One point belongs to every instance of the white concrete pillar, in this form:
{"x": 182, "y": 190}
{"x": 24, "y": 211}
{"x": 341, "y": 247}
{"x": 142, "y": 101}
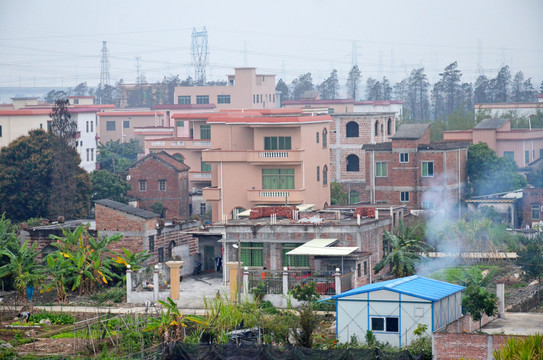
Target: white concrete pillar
{"x": 337, "y": 275}
{"x": 246, "y": 281}
{"x": 155, "y": 284}
{"x": 500, "y": 293}
{"x": 285, "y": 281}
{"x": 128, "y": 284}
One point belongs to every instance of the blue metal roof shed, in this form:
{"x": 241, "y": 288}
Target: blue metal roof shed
{"x": 393, "y": 309}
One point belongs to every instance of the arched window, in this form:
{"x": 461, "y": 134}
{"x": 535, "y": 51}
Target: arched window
{"x": 354, "y": 197}
{"x": 353, "y": 163}
{"x": 324, "y": 138}
{"x": 376, "y": 128}
{"x": 352, "y": 129}
{"x": 179, "y": 157}
{"x": 325, "y": 175}
{"x": 236, "y": 211}
{"x": 389, "y": 126}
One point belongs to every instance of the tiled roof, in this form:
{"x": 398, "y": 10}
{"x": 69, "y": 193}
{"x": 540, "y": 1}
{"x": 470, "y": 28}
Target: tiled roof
{"x": 165, "y": 158}
{"x": 127, "y": 209}
{"x": 445, "y": 145}
{"x": 417, "y": 286}
{"x": 410, "y": 131}
{"x": 386, "y": 146}
{"x": 318, "y": 101}
{"x": 130, "y": 113}
{"x": 25, "y": 112}
{"x": 183, "y": 106}
{"x": 491, "y": 123}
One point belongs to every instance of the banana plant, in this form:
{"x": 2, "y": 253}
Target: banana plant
{"x": 22, "y": 266}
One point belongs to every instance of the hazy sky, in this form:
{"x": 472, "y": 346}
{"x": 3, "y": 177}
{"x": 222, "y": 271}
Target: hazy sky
{"x": 58, "y": 43}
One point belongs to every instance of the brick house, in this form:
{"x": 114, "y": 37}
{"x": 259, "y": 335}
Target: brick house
{"x": 413, "y": 171}
{"x": 159, "y": 177}
{"x": 532, "y": 208}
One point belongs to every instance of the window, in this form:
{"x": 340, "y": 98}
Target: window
{"x": 251, "y": 254}
{"x": 126, "y": 124}
{"x": 535, "y": 211}
{"x": 88, "y": 154}
{"x": 179, "y": 157}
{"x": 203, "y": 208}
{"x": 92, "y": 154}
{"x": 76, "y": 101}
{"x": 351, "y": 129}
{"x": 526, "y": 157}
{"x": 143, "y": 185}
{"x": 205, "y": 167}
{"x": 325, "y": 175}
{"x": 365, "y": 268}
{"x": 353, "y": 163}
{"x": 151, "y": 243}
{"x": 273, "y": 179}
{"x": 202, "y": 99}
{"x": 1, "y": 130}
{"x": 317, "y": 136}
{"x": 381, "y": 169}
{"x": 404, "y": 158}
{"x": 389, "y": 126}
{"x": 358, "y": 270}
{"x": 386, "y": 324}
{"x": 161, "y": 185}
{"x": 223, "y": 99}
{"x": 386, "y": 246}
{"x": 324, "y": 138}
{"x": 277, "y": 143}
{"x": 427, "y": 205}
{"x": 509, "y": 155}
{"x": 376, "y": 128}
{"x": 354, "y": 197}
{"x": 254, "y": 98}
{"x": 183, "y": 100}
{"x": 179, "y": 123}
{"x": 293, "y": 260}
{"x": 205, "y": 132}
{"x": 318, "y": 173}
{"x": 540, "y": 150}
{"x": 404, "y": 196}
{"x": 87, "y": 126}
{"x": 160, "y": 254}
{"x": 92, "y": 126}
{"x": 427, "y": 169}
{"x": 110, "y": 125}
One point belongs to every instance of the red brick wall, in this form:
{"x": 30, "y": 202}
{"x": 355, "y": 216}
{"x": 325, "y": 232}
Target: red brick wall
{"x": 176, "y": 197}
{"x": 114, "y": 220}
{"x": 467, "y": 345}
{"x": 531, "y": 196}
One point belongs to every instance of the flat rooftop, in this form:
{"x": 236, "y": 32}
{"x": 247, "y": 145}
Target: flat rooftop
{"x": 516, "y": 324}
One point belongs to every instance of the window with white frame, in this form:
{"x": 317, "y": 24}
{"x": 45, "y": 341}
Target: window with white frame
{"x": 183, "y": 100}
{"x": 535, "y": 211}
{"x": 143, "y": 185}
{"x": 385, "y": 323}
{"x": 404, "y": 196}
{"x": 202, "y": 99}
{"x": 404, "y": 158}
{"x": 427, "y": 169}
{"x": 223, "y": 99}
{"x": 381, "y": 169}
{"x": 161, "y": 185}
{"x": 427, "y": 205}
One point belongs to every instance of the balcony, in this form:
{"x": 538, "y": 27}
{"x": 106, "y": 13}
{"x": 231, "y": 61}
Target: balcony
{"x": 180, "y": 144}
{"x": 199, "y": 176}
{"x": 254, "y": 157}
{"x": 292, "y": 196}
{"x": 275, "y": 156}
{"x": 212, "y": 193}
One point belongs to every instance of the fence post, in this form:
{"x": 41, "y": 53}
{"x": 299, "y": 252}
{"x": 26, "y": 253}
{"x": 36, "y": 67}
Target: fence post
{"x": 337, "y": 275}
{"x": 285, "y": 281}
{"x": 246, "y": 282}
{"x": 155, "y": 284}
{"x": 128, "y": 284}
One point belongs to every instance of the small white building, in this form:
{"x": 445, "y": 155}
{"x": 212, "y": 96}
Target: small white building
{"x": 393, "y": 309}
{"x": 85, "y": 142}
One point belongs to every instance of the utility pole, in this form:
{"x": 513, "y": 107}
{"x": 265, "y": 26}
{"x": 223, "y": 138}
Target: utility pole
{"x": 104, "y": 64}
{"x": 199, "y": 55}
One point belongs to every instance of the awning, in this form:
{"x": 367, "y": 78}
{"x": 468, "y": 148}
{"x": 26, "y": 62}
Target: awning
{"x": 301, "y": 207}
{"x": 321, "y": 247}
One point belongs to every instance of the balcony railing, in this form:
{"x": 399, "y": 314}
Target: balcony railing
{"x": 203, "y": 144}
{"x": 200, "y": 176}
{"x": 294, "y": 196}
{"x": 275, "y": 156}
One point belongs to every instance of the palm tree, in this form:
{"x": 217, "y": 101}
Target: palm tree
{"x": 22, "y": 266}
{"x": 407, "y": 247}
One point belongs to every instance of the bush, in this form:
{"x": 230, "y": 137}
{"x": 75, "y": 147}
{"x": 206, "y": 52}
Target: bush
{"x": 115, "y": 294}
{"x": 55, "y": 318}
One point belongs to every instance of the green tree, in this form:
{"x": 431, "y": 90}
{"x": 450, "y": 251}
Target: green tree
{"x": 535, "y": 177}
{"x": 531, "y": 260}
{"x": 488, "y": 173}
{"x": 329, "y": 88}
{"x": 406, "y": 248}
{"x": 60, "y": 272}
{"x": 478, "y": 301}
{"x": 307, "y": 319}
{"x": 417, "y": 95}
{"x": 81, "y": 90}
{"x": 302, "y": 84}
{"x": 337, "y": 195}
{"x": 54, "y": 95}
{"x": 106, "y": 185}
{"x": 25, "y": 176}
{"x": 134, "y": 259}
{"x": 22, "y": 266}
{"x": 353, "y": 83}
{"x": 107, "y": 94}
{"x": 115, "y": 156}
{"x": 282, "y": 88}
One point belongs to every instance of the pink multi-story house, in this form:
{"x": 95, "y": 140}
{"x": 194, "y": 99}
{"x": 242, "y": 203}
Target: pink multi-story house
{"x": 244, "y": 90}
{"x": 269, "y": 157}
